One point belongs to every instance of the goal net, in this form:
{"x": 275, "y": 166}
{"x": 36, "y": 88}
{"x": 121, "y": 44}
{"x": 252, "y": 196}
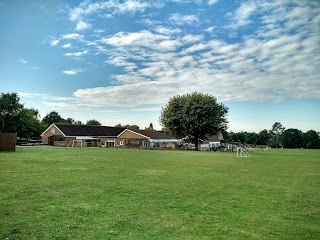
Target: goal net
{"x": 241, "y": 152}
{"x": 75, "y": 143}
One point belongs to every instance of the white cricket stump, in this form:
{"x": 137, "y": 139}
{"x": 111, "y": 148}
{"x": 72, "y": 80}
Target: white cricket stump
{"x": 241, "y": 152}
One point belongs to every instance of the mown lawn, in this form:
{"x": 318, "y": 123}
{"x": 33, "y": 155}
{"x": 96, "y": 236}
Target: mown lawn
{"x": 59, "y": 193}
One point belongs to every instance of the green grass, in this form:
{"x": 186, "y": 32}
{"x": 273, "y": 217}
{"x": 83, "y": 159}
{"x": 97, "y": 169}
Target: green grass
{"x": 59, "y": 193}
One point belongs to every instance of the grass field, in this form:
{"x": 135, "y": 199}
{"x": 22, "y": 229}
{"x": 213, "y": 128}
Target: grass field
{"x": 59, "y": 193}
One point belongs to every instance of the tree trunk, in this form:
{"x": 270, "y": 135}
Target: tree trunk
{"x": 196, "y": 143}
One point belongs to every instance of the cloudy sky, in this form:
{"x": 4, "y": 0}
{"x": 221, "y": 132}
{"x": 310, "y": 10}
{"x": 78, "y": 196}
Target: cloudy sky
{"x": 119, "y": 61}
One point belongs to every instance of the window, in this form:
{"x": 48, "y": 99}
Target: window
{"x": 121, "y": 143}
{"x": 53, "y": 130}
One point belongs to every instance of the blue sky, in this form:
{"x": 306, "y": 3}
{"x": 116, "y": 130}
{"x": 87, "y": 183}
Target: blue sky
{"x": 119, "y": 61}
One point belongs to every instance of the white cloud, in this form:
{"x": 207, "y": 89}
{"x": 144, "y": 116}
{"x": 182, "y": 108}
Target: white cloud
{"x": 212, "y": 2}
{"x": 73, "y": 71}
{"x": 209, "y": 30}
{"x": 278, "y": 60}
{"x": 111, "y": 7}
{"x": 184, "y": 19}
{"x": 167, "y": 31}
{"x": 192, "y": 38}
{"x": 29, "y": 95}
{"x": 68, "y": 45}
{"x": 145, "y": 109}
{"x": 241, "y": 16}
{"x": 54, "y": 42}
{"x": 76, "y": 54}
{"x": 81, "y": 25}
{"x": 23, "y": 61}
{"x": 143, "y": 38}
{"x": 72, "y": 36}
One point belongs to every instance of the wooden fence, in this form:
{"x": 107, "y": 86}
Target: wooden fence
{"x": 8, "y": 141}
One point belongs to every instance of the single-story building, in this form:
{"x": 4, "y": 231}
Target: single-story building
{"x": 147, "y": 139}
{"x": 212, "y": 143}
{"x": 63, "y": 134}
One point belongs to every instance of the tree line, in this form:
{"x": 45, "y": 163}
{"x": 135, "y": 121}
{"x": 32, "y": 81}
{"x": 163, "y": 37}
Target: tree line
{"x": 183, "y": 116}
{"x": 278, "y": 136}
{"x": 26, "y": 122}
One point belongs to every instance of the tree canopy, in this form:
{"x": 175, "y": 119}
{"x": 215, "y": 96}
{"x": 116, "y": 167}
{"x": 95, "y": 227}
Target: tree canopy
{"x": 15, "y": 118}
{"x": 150, "y": 127}
{"x": 128, "y": 126}
{"x": 93, "y": 122}
{"x": 292, "y": 138}
{"x": 311, "y": 139}
{"x": 10, "y": 110}
{"x": 276, "y": 134}
{"x": 52, "y": 117}
{"x": 194, "y": 116}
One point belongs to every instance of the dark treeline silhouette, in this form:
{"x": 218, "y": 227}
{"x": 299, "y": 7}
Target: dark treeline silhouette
{"x": 278, "y": 136}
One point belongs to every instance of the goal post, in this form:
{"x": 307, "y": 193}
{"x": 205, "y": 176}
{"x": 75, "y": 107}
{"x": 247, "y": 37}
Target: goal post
{"x": 75, "y": 143}
{"x": 241, "y": 152}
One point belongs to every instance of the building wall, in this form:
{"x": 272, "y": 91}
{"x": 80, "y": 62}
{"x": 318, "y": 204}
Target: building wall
{"x": 103, "y": 140}
{"x": 53, "y": 130}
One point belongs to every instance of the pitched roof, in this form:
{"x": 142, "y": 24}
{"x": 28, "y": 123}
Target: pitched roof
{"x": 153, "y": 134}
{"x": 215, "y": 138}
{"x": 88, "y": 130}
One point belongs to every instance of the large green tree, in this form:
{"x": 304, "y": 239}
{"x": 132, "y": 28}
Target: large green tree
{"x": 194, "y": 116}
{"x": 276, "y": 134}
{"x": 292, "y": 138}
{"x": 263, "y": 137}
{"x": 311, "y": 139}
{"x": 52, "y": 117}
{"x": 15, "y": 118}
{"x": 10, "y": 110}
{"x": 251, "y": 138}
{"x": 29, "y": 125}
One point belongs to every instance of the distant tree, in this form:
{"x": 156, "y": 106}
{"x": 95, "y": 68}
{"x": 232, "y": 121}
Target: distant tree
{"x": 128, "y": 126}
{"x": 263, "y": 137}
{"x": 225, "y": 135}
{"x": 237, "y": 137}
{"x": 78, "y": 122}
{"x": 241, "y": 136}
{"x": 71, "y": 121}
{"x": 52, "y": 117}
{"x": 68, "y": 120}
{"x": 194, "y": 116}
{"x": 10, "y": 110}
{"x": 251, "y": 138}
{"x": 276, "y": 134}
{"x": 311, "y": 139}
{"x": 292, "y": 138}
{"x": 93, "y": 122}
{"x": 132, "y": 127}
{"x": 150, "y": 127}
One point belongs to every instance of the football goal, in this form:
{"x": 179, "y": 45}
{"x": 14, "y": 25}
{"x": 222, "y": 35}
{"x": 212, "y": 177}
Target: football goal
{"x": 75, "y": 143}
{"x": 242, "y": 152}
